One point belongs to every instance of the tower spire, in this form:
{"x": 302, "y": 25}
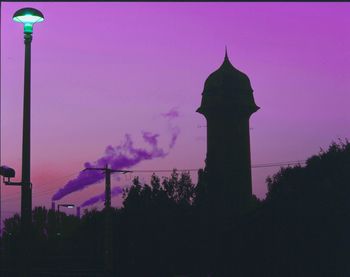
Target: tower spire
{"x": 226, "y": 56}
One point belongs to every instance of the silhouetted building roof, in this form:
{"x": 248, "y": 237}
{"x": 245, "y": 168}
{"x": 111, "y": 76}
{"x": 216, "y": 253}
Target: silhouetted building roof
{"x": 227, "y": 87}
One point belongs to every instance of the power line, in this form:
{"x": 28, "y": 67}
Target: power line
{"x": 7, "y": 211}
{"x": 42, "y": 192}
{"x": 196, "y": 169}
{"x": 262, "y": 165}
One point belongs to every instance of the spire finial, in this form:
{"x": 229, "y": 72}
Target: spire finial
{"x": 226, "y": 56}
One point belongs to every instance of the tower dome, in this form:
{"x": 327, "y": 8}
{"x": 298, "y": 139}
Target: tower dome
{"x": 227, "y": 88}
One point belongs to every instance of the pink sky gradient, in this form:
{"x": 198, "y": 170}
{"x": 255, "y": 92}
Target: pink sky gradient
{"x": 100, "y": 70}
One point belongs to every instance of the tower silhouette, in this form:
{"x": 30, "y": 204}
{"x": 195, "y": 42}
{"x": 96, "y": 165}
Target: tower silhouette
{"x": 227, "y": 104}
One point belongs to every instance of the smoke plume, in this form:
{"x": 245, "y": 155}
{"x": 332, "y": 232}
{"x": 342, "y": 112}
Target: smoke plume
{"x": 122, "y": 156}
{"x": 119, "y": 157}
{"x": 173, "y": 113}
{"x": 174, "y": 130}
{"x": 101, "y": 197}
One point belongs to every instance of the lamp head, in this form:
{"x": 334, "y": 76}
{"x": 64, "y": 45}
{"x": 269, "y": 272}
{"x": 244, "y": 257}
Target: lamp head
{"x": 7, "y": 172}
{"x": 28, "y": 16}
{"x": 69, "y": 206}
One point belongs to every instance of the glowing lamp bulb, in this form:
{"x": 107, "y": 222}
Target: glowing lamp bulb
{"x": 28, "y": 16}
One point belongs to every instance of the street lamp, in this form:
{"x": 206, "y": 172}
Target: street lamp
{"x": 27, "y": 16}
{"x": 68, "y": 206}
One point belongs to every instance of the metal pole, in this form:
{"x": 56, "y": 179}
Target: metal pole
{"x": 1, "y": 266}
{"x": 108, "y": 225}
{"x": 0, "y": 149}
{"x": 58, "y": 221}
{"x": 108, "y": 238}
{"x": 26, "y": 190}
{"x": 26, "y": 203}
{"x": 108, "y": 188}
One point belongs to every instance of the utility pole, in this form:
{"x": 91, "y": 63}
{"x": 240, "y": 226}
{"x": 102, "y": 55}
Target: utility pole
{"x": 108, "y": 241}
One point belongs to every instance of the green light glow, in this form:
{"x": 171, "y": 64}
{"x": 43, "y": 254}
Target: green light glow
{"x": 28, "y": 16}
{"x": 28, "y": 19}
{"x": 28, "y": 28}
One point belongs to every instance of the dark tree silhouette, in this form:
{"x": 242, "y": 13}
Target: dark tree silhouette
{"x": 159, "y": 220}
{"x": 300, "y": 229}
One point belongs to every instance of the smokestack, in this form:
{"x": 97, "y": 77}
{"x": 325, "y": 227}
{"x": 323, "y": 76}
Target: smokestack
{"x": 101, "y": 197}
{"x": 78, "y": 212}
{"x": 53, "y": 206}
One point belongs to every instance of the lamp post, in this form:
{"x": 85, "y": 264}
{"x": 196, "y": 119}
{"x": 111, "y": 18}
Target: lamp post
{"x": 68, "y": 206}
{"x": 59, "y": 221}
{"x": 27, "y": 16}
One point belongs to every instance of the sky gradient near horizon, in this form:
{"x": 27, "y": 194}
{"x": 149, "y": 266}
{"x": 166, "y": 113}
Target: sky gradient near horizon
{"x": 103, "y": 70}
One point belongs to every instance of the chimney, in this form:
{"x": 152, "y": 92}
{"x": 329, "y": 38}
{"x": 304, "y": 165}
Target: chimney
{"x": 78, "y": 212}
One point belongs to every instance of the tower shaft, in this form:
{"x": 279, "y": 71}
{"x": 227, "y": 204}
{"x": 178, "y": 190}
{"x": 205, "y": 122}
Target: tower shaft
{"x": 228, "y": 162}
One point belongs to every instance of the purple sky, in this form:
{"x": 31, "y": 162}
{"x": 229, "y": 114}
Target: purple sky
{"x": 101, "y": 70}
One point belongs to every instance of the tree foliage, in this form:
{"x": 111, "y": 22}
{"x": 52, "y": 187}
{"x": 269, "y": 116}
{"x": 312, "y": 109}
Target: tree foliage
{"x": 321, "y": 186}
{"x": 300, "y": 229}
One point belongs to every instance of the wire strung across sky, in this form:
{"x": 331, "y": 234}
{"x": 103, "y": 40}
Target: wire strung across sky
{"x": 42, "y": 192}
{"x": 196, "y": 169}
{"x": 48, "y": 191}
